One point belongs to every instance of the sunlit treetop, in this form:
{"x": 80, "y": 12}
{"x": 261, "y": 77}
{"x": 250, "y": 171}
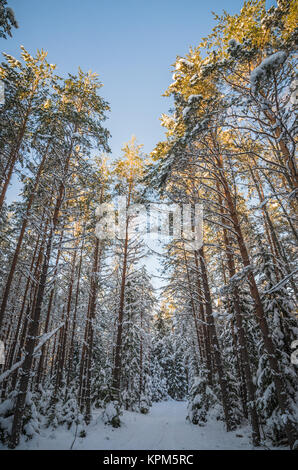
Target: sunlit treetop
{"x": 81, "y": 90}
{"x": 131, "y": 165}
{"x": 245, "y": 37}
{"x": 36, "y": 71}
{"x": 237, "y": 45}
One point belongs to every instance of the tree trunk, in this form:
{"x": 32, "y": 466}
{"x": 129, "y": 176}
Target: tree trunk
{"x": 270, "y": 348}
{"x": 216, "y": 348}
{"x": 20, "y": 239}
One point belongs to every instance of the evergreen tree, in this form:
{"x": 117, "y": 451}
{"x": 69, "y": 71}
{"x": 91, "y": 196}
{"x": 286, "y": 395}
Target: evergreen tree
{"x": 7, "y": 20}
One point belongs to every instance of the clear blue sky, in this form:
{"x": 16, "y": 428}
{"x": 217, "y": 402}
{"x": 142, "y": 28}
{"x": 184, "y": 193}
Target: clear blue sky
{"x": 131, "y": 44}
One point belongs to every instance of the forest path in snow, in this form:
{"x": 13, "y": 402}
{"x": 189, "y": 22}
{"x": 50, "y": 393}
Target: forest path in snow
{"x": 163, "y": 428}
{"x": 166, "y": 427}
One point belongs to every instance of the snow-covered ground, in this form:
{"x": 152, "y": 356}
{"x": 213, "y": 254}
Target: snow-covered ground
{"x": 165, "y": 427}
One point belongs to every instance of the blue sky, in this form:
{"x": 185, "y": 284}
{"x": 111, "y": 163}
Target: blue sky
{"x": 131, "y": 44}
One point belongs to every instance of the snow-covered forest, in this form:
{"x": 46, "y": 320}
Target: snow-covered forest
{"x": 91, "y": 340}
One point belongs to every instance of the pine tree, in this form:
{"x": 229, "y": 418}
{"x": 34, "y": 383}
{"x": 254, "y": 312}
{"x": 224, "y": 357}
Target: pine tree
{"x": 7, "y": 20}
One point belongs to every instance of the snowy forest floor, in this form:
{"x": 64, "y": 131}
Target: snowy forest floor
{"x": 164, "y": 428}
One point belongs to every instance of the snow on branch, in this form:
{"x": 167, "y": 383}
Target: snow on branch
{"x": 235, "y": 280}
{"x": 42, "y": 341}
{"x": 281, "y": 283}
{"x": 262, "y": 71}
